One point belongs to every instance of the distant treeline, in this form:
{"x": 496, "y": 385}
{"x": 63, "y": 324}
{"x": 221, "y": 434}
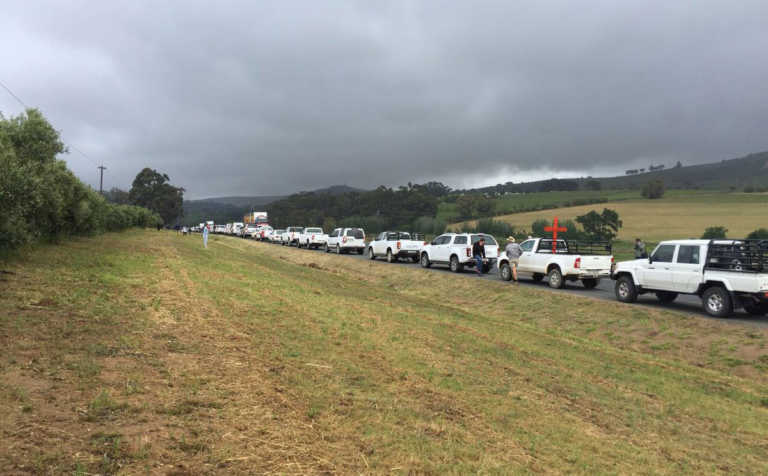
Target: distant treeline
{"x": 40, "y": 198}
{"x": 410, "y": 207}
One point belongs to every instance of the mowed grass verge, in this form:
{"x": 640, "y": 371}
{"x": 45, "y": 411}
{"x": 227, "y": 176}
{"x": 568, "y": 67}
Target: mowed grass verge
{"x": 142, "y": 351}
{"x": 680, "y": 214}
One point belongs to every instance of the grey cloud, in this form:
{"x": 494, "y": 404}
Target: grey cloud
{"x": 274, "y": 97}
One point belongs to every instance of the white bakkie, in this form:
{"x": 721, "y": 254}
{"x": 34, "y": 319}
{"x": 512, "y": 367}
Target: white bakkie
{"x": 346, "y": 240}
{"x": 572, "y": 261}
{"x": 291, "y": 235}
{"x": 396, "y": 244}
{"x": 312, "y": 237}
{"x": 725, "y": 274}
{"x": 455, "y": 250}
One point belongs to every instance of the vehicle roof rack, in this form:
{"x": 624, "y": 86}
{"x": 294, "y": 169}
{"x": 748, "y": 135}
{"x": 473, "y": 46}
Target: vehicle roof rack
{"x": 747, "y": 256}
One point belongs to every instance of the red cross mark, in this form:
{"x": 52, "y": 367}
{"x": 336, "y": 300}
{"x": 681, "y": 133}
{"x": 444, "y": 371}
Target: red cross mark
{"x": 554, "y": 229}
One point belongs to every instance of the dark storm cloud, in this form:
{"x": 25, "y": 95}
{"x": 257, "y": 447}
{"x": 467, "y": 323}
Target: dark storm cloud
{"x": 266, "y": 98}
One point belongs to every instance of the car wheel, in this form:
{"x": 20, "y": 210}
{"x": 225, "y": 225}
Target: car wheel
{"x": 338, "y": 250}
{"x": 666, "y": 296}
{"x": 590, "y": 283}
{"x": 555, "y": 278}
{"x": 325, "y": 248}
{"x": 390, "y": 257}
{"x": 370, "y": 253}
{"x": 537, "y": 277}
{"x": 425, "y": 261}
{"x": 717, "y": 301}
{"x": 505, "y": 272}
{"x": 455, "y": 266}
{"x": 625, "y": 289}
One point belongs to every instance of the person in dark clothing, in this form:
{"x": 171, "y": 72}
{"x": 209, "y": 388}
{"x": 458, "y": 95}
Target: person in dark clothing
{"x": 478, "y": 252}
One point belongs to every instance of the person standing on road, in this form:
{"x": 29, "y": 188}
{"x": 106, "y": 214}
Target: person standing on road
{"x": 478, "y": 252}
{"x": 205, "y": 236}
{"x": 640, "y": 249}
{"x": 513, "y": 255}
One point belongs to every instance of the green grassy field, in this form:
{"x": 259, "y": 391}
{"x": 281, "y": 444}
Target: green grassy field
{"x": 529, "y": 201}
{"x": 680, "y": 214}
{"x": 142, "y": 352}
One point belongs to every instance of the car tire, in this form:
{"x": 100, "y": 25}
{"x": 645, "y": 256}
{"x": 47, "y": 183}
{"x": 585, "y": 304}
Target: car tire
{"x": 338, "y": 250}
{"x": 505, "y": 271}
{"x": 390, "y": 257}
{"x": 555, "y": 278}
{"x": 625, "y": 289}
{"x": 590, "y": 283}
{"x": 537, "y": 277}
{"x": 717, "y": 301}
{"x": 371, "y": 255}
{"x": 424, "y": 260}
{"x": 454, "y": 264}
{"x": 666, "y": 297}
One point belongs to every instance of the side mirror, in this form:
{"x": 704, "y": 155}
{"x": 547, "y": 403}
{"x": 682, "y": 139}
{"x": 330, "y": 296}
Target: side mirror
{"x": 433, "y": 243}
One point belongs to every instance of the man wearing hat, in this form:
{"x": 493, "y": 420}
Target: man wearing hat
{"x": 513, "y": 254}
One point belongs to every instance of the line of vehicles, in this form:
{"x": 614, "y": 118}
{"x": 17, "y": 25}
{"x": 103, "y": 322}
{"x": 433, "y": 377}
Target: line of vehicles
{"x": 726, "y": 274}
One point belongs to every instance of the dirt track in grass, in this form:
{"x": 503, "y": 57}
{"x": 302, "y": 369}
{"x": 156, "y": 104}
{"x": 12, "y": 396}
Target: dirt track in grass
{"x": 143, "y": 352}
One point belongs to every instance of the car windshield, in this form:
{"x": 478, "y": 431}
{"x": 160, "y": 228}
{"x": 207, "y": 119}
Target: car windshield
{"x": 403, "y": 235}
{"x": 314, "y": 230}
{"x": 488, "y": 239}
{"x": 356, "y": 233}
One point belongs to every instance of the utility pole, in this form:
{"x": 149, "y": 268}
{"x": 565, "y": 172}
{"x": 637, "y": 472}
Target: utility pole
{"x": 101, "y": 179}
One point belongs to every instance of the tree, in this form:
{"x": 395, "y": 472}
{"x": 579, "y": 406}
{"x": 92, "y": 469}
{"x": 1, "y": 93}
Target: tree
{"x": 600, "y": 226}
{"x": 653, "y": 189}
{"x": 714, "y": 233}
{"x": 152, "y": 190}
{"x": 116, "y": 195}
{"x": 759, "y": 234}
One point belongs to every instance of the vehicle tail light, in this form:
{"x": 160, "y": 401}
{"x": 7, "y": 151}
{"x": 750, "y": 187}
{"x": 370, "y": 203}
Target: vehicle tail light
{"x": 577, "y": 263}
{"x": 344, "y": 240}
{"x": 313, "y": 237}
{"x": 425, "y": 243}
{"x": 398, "y": 245}
{"x": 469, "y": 252}
{"x": 613, "y": 260}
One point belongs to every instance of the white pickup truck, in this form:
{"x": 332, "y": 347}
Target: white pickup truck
{"x": 312, "y": 238}
{"x": 346, "y": 240}
{"x": 290, "y": 236}
{"x": 276, "y": 236}
{"x": 455, "y": 250}
{"x": 396, "y": 244}
{"x": 725, "y": 274}
{"x": 571, "y": 261}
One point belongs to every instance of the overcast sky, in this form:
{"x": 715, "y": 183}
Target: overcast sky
{"x": 262, "y": 98}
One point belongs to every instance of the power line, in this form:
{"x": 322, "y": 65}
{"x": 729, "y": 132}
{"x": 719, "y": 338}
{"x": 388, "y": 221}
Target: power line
{"x": 14, "y": 96}
{"x": 24, "y": 105}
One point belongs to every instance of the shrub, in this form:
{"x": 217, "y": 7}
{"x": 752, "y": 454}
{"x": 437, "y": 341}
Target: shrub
{"x": 653, "y": 189}
{"x": 714, "y": 233}
{"x": 41, "y": 198}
